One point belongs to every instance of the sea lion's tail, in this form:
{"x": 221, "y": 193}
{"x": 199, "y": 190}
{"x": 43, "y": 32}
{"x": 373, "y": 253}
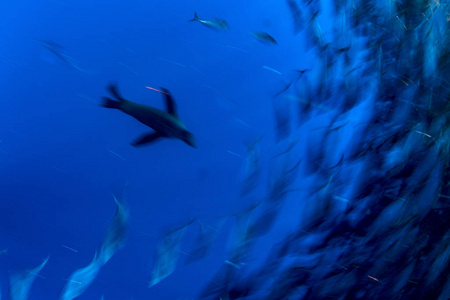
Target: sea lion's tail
{"x": 110, "y": 103}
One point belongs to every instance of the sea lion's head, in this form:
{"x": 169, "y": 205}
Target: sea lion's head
{"x": 188, "y": 138}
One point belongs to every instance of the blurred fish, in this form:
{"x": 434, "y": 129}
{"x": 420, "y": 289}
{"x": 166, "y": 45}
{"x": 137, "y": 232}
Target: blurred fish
{"x": 282, "y": 118}
{"x": 440, "y": 266}
{"x": 316, "y": 36}
{"x": 216, "y": 23}
{"x": 343, "y": 49}
{"x": 301, "y": 72}
{"x": 81, "y": 279}
{"x": 291, "y": 146}
{"x": 314, "y": 16}
{"x": 374, "y": 223}
{"x": 58, "y": 52}
{"x": 288, "y": 283}
{"x": 259, "y": 225}
{"x": 281, "y": 182}
{"x": 284, "y": 89}
{"x": 116, "y": 233}
{"x": 166, "y": 124}
{"x": 339, "y": 5}
{"x": 303, "y": 99}
{"x": 220, "y": 284}
{"x": 296, "y": 15}
{"x": 205, "y": 239}
{"x": 264, "y": 37}
{"x": 167, "y": 254}
{"x": 21, "y": 282}
{"x": 252, "y": 169}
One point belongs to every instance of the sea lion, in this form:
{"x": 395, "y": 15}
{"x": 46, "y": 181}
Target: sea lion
{"x": 165, "y": 123}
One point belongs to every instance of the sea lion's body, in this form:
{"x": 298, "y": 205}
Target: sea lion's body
{"x": 164, "y": 123}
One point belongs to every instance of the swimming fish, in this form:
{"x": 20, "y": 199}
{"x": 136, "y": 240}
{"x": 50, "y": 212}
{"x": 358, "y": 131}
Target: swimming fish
{"x": 81, "y": 279}
{"x": 113, "y": 241}
{"x": 168, "y": 254}
{"x": 58, "y": 52}
{"x": 115, "y": 236}
{"x": 21, "y": 282}
{"x": 297, "y": 15}
{"x": 216, "y": 23}
{"x": 165, "y": 123}
{"x": 264, "y": 37}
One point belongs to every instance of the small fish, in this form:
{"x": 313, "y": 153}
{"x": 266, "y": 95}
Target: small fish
{"x": 302, "y": 71}
{"x": 282, "y": 117}
{"x": 297, "y": 15}
{"x": 113, "y": 241}
{"x": 21, "y": 282}
{"x": 58, "y": 52}
{"x": 216, "y": 23}
{"x": 117, "y": 230}
{"x": 81, "y": 279}
{"x": 252, "y": 169}
{"x": 264, "y": 37}
{"x": 205, "y": 239}
{"x": 167, "y": 254}
{"x": 284, "y": 89}
{"x": 343, "y": 49}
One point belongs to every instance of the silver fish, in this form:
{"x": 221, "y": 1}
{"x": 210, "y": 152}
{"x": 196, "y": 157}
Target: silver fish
{"x": 168, "y": 254}
{"x": 58, "y": 52}
{"x": 116, "y": 233}
{"x": 264, "y": 37}
{"x": 81, "y": 279}
{"x": 113, "y": 241}
{"x": 216, "y": 23}
{"x": 21, "y": 283}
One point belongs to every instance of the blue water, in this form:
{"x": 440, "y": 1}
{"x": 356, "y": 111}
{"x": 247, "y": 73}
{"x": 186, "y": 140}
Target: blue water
{"x": 63, "y": 157}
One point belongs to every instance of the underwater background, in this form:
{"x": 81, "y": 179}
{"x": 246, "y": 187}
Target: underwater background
{"x": 322, "y": 162}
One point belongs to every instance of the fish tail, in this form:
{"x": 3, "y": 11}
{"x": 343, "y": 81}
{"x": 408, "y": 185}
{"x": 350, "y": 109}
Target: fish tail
{"x": 110, "y": 103}
{"x": 195, "y": 17}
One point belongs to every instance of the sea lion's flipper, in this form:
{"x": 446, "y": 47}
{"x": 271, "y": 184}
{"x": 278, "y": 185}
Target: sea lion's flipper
{"x": 115, "y": 92}
{"x": 146, "y": 139}
{"x": 110, "y": 103}
{"x": 170, "y": 103}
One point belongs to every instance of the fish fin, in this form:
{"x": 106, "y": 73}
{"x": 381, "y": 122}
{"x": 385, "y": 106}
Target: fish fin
{"x": 112, "y": 88}
{"x": 146, "y": 139}
{"x": 285, "y": 88}
{"x": 170, "y": 103}
{"x": 195, "y": 18}
{"x": 110, "y": 103}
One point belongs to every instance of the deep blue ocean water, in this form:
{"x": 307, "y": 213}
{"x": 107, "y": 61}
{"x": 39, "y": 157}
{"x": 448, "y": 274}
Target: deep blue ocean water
{"x": 63, "y": 157}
